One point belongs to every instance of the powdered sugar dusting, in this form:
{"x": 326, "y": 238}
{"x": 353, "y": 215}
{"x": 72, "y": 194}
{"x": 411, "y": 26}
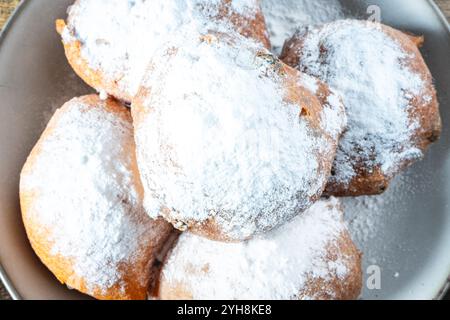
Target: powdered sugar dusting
{"x": 273, "y": 266}
{"x": 332, "y": 123}
{"x": 119, "y": 37}
{"x": 368, "y": 215}
{"x": 230, "y": 150}
{"x": 367, "y": 67}
{"x": 377, "y": 225}
{"x": 246, "y": 8}
{"x": 283, "y": 17}
{"x": 333, "y": 116}
{"x": 87, "y": 196}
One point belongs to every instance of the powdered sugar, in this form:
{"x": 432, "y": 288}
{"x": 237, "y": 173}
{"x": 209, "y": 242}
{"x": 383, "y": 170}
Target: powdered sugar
{"x": 283, "y": 17}
{"x": 233, "y": 151}
{"x": 365, "y": 215}
{"x": 86, "y": 196}
{"x": 118, "y": 37}
{"x": 369, "y": 216}
{"x": 332, "y": 123}
{"x": 333, "y": 116}
{"x": 368, "y": 68}
{"x": 277, "y": 265}
{"x": 245, "y": 8}
{"x": 377, "y": 225}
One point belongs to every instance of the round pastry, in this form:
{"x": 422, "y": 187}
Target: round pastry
{"x": 387, "y": 89}
{"x": 311, "y": 257}
{"x": 109, "y": 42}
{"x": 231, "y": 141}
{"x": 81, "y": 200}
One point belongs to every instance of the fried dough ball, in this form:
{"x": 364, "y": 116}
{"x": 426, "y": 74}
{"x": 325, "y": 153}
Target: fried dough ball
{"x": 388, "y": 92}
{"x": 81, "y": 200}
{"x": 109, "y": 42}
{"x": 311, "y": 257}
{"x": 232, "y": 142}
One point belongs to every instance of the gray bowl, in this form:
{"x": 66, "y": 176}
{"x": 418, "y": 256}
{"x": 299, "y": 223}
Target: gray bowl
{"x": 410, "y": 241}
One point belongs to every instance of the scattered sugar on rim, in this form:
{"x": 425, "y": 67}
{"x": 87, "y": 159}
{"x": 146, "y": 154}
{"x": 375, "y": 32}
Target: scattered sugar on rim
{"x": 355, "y": 57}
{"x": 273, "y": 266}
{"x": 120, "y": 36}
{"x": 87, "y": 199}
{"x": 283, "y": 17}
{"x": 230, "y": 150}
{"x": 333, "y": 115}
{"x": 370, "y": 220}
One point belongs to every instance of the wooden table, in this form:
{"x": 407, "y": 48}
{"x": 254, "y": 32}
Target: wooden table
{"x": 7, "y": 6}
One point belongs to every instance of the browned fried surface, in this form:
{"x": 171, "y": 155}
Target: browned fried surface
{"x": 330, "y": 288}
{"x": 7, "y": 6}
{"x": 372, "y": 181}
{"x": 309, "y": 106}
{"x": 254, "y": 28}
{"x": 61, "y": 266}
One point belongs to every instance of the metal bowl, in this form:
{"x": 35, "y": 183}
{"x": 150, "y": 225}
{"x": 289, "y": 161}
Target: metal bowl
{"x": 411, "y": 243}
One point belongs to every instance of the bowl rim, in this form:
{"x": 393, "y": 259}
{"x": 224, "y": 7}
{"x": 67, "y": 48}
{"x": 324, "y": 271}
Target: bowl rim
{"x": 9, "y": 286}
{"x": 7, "y": 26}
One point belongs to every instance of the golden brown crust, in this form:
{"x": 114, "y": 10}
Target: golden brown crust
{"x": 63, "y": 267}
{"x": 250, "y": 28}
{"x": 97, "y": 79}
{"x": 310, "y": 106}
{"x": 332, "y": 287}
{"x": 366, "y": 182}
{"x": 94, "y": 78}
{"x": 337, "y": 287}
{"x": 373, "y": 181}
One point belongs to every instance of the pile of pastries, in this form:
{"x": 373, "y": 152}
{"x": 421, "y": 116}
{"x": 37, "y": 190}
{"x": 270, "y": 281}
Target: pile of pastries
{"x": 206, "y": 167}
